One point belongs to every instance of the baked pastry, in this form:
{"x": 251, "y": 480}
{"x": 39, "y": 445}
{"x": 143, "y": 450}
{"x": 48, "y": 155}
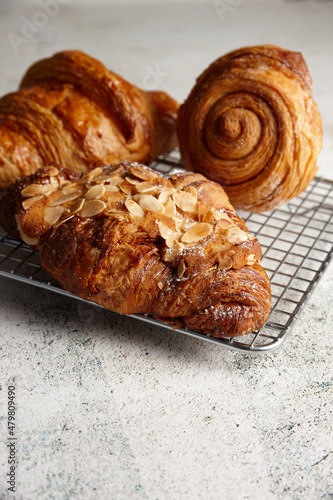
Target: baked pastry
{"x": 134, "y": 241}
{"x": 251, "y": 124}
{"x": 72, "y": 110}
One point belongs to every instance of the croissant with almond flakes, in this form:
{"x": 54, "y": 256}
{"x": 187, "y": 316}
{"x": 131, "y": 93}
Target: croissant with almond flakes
{"x": 251, "y": 124}
{"x": 70, "y": 109}
{"x": 134, "y": 241}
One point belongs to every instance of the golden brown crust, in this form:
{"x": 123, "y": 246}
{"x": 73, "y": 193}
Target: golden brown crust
{"x": 134, "y": 241}
{"x": 251, "y": 124}
{"x": 72, "y": 110}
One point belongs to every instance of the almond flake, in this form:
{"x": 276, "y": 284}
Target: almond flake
{"x": 131, "y": 180}
{"x": 67, "y": 196}
{"x": 118, "y": 171}
{"x": 76, "y": 207}
{"x": 96, "y": 171}
{"x": 28, "y": 239}
{"x": 26, "y": 204}
{"x": 53, "y": 214}
{"x": 149, "y": 202}
{"x": 178, "y": 223}
{"x": 18, "y": 221}
{"x": 224, "y": 262}
{"x": 185, "y": 201}
{"x": 91, "y": 208}
{"x": 224, "y": 225}
{"x": 89, "y": 176}
{"x": 70, "y": 187}
{"x": 116, "y": 180}
{"x": 134, "y": 208}
{"x": 173, "y": 239}
{"x": 143, "y": 173}
{"x": 165, "y": 195}
{"x": 164, "y": 230}
{"x": 62, "y": 221}
{"x": 103, "y": 178}
{"x": 179, "y": 247}
{"x": 251, "y": 259}
{"x": 176, "y": 250}
{"x": 53, "y": 171}
{"x": 54, "y": 183}
{"x": 170, "y": 209}
{"x": 188, "y": 225}
{"x": 144, "y": 187}
{"x": 170, "y": 240}
{"x": 33, "y": 189}
{"x": 196, "y": 233}
{"x": 181, "y": 268}
{"x": 192, "y": 191}
{"x": 111, "y": 188}
{"x": 237, "y": 235}
{"x": 220, "y": 215}
{"x": 95, "y": 192}
{"x": 125, "y": 188}
{"x": 65, "y": 183}
{"x": 207, "y": 216}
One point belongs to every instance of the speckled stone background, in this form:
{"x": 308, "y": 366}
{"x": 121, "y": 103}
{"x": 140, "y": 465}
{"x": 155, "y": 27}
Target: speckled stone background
{"x": 112, "y": 408}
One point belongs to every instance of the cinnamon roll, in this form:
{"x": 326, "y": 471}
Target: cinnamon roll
{"x": 251, "y": 124}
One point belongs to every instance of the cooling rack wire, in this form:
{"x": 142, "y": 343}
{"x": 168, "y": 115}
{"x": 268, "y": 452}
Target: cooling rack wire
{"x": 297, "y": 245}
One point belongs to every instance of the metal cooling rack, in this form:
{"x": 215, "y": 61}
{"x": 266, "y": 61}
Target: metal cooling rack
{"x": 297, "y": 245}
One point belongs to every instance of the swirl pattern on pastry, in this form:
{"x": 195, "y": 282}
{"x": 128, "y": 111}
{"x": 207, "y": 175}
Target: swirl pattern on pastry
{"x": 134, "y": 241}
{"x": 251, "y": 124}
{"x": 72, "y": 110}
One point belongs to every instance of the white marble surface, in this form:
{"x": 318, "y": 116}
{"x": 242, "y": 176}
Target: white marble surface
{"x": 111, "y": 408}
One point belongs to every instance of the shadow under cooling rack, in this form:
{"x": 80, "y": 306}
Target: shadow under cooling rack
{"x": 297, "y": 245}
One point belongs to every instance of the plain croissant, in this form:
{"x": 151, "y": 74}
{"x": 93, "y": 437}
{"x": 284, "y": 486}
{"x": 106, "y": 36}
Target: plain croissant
{"x": 70, "y": 109}
{"x": 134, "y": 241}
{"x": 251, "y": 124}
